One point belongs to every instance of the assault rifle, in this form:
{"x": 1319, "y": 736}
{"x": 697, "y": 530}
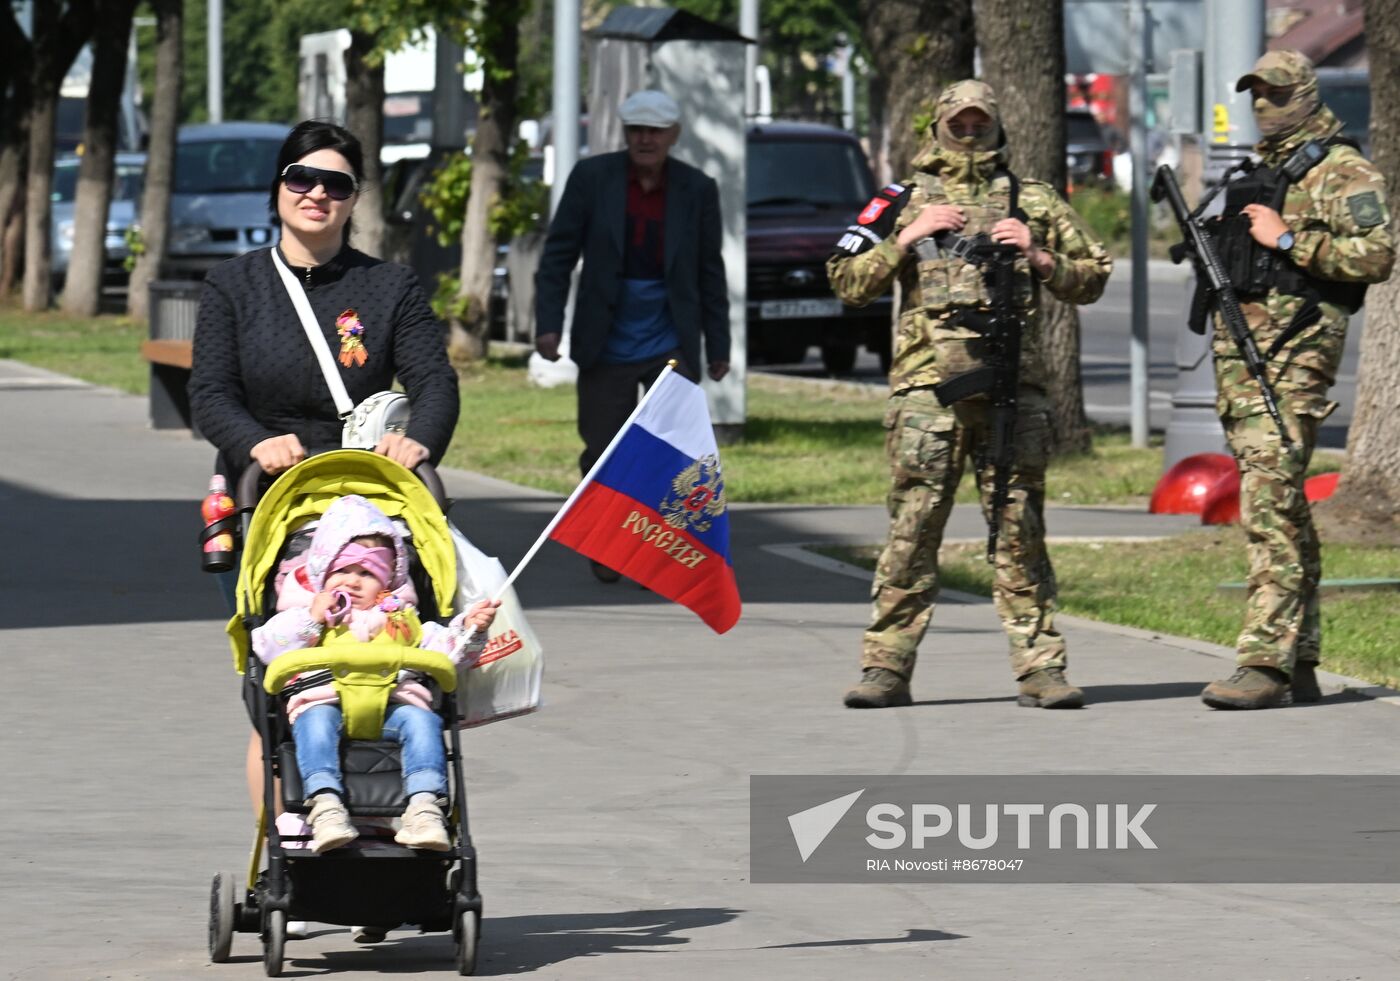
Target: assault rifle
{"x": 999, "y": 376}
{"x": 1196, "y": 245}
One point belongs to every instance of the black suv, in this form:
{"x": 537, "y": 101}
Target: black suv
{"x": 806, "y": 183}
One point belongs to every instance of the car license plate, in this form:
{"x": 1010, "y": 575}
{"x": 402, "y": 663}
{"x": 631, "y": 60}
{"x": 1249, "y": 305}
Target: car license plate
{"x": 791, "y": 309}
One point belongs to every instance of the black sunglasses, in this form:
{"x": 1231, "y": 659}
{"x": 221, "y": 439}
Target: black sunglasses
{"x": 300, "y": 179}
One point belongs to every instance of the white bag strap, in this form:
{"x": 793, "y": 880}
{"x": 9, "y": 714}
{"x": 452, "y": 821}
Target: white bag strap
{"x": 343, "y": 406}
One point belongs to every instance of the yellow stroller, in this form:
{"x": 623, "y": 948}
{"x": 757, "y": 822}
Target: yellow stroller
{"x": 386, "y": 884}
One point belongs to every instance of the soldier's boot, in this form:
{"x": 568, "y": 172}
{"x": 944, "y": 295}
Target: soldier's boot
{"x": 879, "y": 688}
{"x": 1303, "y": 683}
{"x": 1248, "y": 688}
{"x": 1048, "y": 688}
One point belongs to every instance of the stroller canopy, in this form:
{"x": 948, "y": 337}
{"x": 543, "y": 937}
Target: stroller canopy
{"x": 305, "y": 491}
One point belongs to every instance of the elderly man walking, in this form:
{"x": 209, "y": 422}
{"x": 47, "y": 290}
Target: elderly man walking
{"x": 652, "y": 287}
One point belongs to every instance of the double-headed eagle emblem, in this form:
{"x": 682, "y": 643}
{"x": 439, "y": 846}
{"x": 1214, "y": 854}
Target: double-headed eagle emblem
{"x": 697, "y": 496}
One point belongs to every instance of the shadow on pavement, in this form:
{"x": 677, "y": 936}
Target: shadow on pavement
{"x": 518, "y": 944}
{"x": 962, "y": 701}
{"x": 91, "y": 562}
{"x": 1102, "y": 694}
{"x": 910, "y": 937}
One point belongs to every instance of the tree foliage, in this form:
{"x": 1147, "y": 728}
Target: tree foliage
{"x": 260, "y": 52}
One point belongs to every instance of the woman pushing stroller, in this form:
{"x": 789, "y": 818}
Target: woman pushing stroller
{"x": 354, "y": 588}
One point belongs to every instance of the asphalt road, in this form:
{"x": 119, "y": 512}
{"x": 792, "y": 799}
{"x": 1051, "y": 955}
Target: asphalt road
{"x": 1105, "y": 347}
{"x": 613, "y": 826}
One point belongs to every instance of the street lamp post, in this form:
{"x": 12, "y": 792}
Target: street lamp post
{"x": 216, "y": 61}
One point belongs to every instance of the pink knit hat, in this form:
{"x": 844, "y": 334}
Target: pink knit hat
{"x": 377, "y": 560}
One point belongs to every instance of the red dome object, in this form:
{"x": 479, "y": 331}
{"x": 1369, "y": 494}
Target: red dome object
{"x": 1222, "y": 503}
{"x": 1321, "y": 487}
{"x": 1183, "y": 488}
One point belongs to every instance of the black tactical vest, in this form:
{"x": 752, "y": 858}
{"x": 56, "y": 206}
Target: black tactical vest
{"x": 1255, "y": 269}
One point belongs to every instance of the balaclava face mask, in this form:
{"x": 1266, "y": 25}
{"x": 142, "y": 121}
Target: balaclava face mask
{"x": 954, "y": 99}
{"x": 1283, "y": 68}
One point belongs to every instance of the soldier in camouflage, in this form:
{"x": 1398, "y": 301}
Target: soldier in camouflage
{"x": 1330, "y": 238}
{"x": 913, "y": 234}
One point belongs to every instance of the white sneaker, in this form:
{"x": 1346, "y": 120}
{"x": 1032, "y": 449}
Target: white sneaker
{"x": 424, "y": 827}
{"x": 330, "y": 824}
{"x": 297, "y": 929}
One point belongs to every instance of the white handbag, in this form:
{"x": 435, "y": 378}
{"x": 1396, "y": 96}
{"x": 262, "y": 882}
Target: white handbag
{"x": 382, "y": 412}
{"x": 363, "y": 425}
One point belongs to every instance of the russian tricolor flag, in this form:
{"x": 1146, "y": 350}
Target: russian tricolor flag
{"x": 654, "y": 506}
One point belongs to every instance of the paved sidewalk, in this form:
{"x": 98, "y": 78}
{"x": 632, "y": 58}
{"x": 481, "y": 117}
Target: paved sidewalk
{"x": 613, "y": 825}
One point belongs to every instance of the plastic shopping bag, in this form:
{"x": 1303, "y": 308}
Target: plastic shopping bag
{"x": 505, "y": 680}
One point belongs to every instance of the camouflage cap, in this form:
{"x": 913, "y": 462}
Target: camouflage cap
{"x": 969, "y": 93}
{"x": 1279, "y": 68}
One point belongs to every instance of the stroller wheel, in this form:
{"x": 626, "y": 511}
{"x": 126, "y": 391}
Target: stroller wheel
{"x": 274, "y": 939}
{"x": 468, "y": 926}
{"x": 223, "y": 911}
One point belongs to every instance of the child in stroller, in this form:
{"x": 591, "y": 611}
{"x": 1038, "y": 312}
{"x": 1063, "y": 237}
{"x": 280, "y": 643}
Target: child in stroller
{"x": 353, "y": 586}
{"x": 361, "y": 658}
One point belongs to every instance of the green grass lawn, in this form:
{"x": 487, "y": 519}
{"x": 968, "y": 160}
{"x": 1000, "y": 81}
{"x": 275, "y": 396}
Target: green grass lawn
{"x": 1172, "y": 586}
{"x": 103, "y": 350}
{"x": 802, "y": 444}
{"x": 797, "y": 447}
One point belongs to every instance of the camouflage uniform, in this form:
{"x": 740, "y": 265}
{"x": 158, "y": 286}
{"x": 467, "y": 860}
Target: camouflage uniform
{"x": 1338, "y": 216}
{"x": 928, "y": 444}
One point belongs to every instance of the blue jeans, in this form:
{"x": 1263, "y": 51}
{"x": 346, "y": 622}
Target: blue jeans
{"x": 417, "y": 731}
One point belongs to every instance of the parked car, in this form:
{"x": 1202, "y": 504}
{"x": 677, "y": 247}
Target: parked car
{"x": 128, "y": 175}
{"x": 806, "y": 182}
{"x": 218, "y": 207}
{"x": 1088, "y": 154}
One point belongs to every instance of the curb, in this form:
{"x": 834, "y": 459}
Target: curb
{"x": 1329, "y": 682}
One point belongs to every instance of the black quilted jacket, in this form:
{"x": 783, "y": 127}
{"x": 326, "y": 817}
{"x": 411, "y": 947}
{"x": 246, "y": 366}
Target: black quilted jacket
{"x": 255, "y": 375}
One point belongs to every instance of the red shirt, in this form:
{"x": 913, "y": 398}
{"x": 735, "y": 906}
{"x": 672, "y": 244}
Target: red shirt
{"x": 644, "y": 252}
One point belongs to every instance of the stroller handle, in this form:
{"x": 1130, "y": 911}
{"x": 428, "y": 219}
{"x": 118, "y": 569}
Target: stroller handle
{"x": 247, "y": 497}
{"x": 379, "y": 661}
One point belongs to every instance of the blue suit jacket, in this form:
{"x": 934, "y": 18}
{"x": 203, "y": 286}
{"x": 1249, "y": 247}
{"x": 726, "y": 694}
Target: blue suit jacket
{"x": 591, "y": 222}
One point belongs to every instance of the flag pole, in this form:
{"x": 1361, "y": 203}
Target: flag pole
{"x": 587, "y": 478}
{"x": 573, "y": 497}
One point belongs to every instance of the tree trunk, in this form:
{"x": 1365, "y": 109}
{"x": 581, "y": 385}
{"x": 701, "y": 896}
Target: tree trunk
{"x": 1023, "y": 59}
{"x": 879, "y": 143}
{"x": 364, "y": 116}
{"x": 918, "y": 47}
{"x": 160, "y": 156}
{"x": 491, "y": 147}
{"x": 15, "y": 98}
{"x": 12, "y": 241}
{"x": 82, "y": 291}
{"x": 57, "y": 37}
{"x": 38, "y": 267}
{"x": 14, "y": 150}
{"x": 1368, "y": 497}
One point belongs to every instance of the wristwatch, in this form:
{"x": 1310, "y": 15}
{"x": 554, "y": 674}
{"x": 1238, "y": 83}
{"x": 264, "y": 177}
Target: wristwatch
{"x": 1285, "y": 241}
